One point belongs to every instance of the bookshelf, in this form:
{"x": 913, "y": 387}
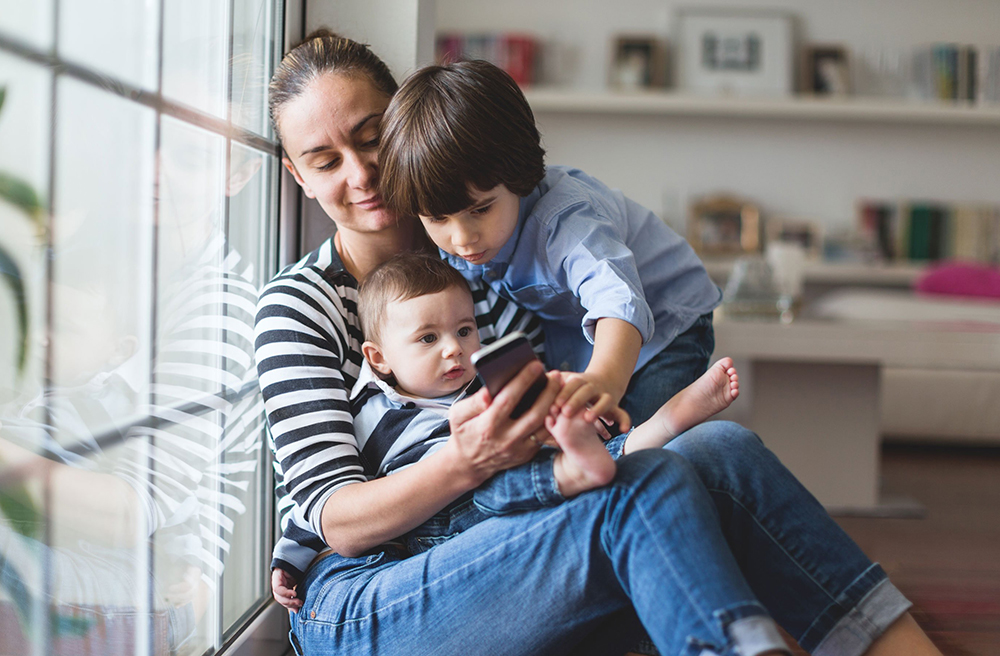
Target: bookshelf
{"x": 806, "y": 108}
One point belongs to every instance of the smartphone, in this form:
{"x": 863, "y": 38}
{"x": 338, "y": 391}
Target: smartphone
{"x": 500, "y": 361}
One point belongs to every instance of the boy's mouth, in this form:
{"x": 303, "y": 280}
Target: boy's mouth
{"x": 474, "y": 257}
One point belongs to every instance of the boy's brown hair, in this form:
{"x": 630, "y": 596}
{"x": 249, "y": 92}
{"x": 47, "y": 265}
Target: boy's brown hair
{"x": 452, "y": 126}
{"x": 405, "y": 276}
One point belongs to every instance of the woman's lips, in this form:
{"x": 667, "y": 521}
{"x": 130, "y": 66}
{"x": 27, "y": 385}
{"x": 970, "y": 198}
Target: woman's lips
{"x": 372, "y": 203}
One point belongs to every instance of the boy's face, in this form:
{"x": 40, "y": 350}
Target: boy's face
{"x": 427, "y": 343}
{"x": 478, "y": 233}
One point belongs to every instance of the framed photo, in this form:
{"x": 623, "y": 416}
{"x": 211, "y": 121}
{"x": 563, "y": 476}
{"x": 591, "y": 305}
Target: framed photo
{"x": 825, "y": 70}
{"x": 638, "y": 62}
{"x": 735, "y": 52}
{"x": 807, "y": 234}
{"x": 724, "y": 225}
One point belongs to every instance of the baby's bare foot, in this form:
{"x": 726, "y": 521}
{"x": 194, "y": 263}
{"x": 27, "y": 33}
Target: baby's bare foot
{"x": 583, "y": 462}
{"x": 713, "y": 392}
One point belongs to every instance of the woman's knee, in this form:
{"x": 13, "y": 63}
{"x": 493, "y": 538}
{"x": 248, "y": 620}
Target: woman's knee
{"x": 658, "y": 465}
{"x": 717, "y": 442}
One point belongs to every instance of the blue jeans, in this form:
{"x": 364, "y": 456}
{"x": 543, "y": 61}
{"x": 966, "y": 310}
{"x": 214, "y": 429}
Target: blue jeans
{"x": 540, "y": 582}
{"x": 670, "y": 370}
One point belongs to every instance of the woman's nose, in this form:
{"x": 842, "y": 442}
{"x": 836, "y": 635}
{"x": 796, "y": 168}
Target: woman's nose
{"x": 362, "y": 171}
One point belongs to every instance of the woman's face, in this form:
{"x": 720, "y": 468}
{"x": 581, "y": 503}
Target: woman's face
{"x": 330, "y": 134}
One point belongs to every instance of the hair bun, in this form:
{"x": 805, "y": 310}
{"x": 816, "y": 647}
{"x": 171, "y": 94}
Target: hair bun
{"x": 318, "y": 33}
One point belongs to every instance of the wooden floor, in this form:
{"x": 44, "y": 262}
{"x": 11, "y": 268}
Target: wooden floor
{"x": 948, "y": 562}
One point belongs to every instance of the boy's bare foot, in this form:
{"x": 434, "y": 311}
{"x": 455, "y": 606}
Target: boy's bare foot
{"x": 583, "y": 463}
{"x": 713, "y": 392}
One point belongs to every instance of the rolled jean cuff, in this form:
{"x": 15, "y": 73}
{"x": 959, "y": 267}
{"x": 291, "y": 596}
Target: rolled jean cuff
{"x": 862, "y": 625}
{"x": 543, "y": 478}
{"x": 756, "y": 634}
{"x": 528, "y": 487}
{"x": 616, "y": 445}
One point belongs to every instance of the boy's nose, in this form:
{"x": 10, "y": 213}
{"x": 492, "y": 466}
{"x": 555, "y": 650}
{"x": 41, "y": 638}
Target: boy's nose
{"x": 463, "y": 237}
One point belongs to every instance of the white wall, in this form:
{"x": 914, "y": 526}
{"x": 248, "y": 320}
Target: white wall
{"x": 805, "y": 169}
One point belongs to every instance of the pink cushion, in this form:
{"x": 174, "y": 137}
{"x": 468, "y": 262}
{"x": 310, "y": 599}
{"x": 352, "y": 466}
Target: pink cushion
{"x": 960, "y": 279}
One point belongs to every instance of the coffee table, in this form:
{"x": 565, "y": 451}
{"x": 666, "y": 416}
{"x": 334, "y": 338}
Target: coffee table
{"x": 815, "y": 389}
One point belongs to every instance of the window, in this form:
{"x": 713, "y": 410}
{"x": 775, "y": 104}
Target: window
{"x": 138, "y": 218}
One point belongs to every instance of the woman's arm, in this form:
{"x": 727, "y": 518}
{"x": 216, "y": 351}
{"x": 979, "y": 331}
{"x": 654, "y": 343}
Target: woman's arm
{"x": 484, "y": 440}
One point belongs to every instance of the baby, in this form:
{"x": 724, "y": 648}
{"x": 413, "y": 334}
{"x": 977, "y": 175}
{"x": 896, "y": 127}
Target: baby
{"x": 418, "y": 317}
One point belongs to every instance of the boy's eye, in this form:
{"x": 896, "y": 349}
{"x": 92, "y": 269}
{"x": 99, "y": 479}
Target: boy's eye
{"x": 479, "y": 211}
{"x": 432, "y": 219}
{"x": 428, "y": 339}
{"x": 464, "y": 331}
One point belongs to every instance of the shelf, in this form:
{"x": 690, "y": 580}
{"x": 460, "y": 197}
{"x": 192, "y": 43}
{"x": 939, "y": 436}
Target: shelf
{"x": 797, "y": 107}
{"x": 838, "y": 273}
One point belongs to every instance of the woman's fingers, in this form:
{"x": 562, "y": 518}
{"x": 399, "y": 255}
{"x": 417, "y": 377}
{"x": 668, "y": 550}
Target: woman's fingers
{"x": 532, "y": 422}
{"x": 467, "y": 409}
{"x": 283, "y": 589}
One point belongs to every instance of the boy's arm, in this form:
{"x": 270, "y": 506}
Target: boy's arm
{"x": 602, "y": 385}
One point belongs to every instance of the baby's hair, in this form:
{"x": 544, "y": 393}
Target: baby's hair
{"x": 405, "y": 276}
{"x": 323, "y": 52}
{"x": 449, "y": 127}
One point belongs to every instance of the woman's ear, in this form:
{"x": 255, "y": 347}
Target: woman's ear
{"x": 298, "y": 178}
{"x": 375, "y": 358}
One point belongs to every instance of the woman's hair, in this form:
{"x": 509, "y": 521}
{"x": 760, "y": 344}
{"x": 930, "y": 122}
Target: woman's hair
{"x": 449, "y": 127}
{"x": 324, "y": 52}
{"x": 401, "y": 278}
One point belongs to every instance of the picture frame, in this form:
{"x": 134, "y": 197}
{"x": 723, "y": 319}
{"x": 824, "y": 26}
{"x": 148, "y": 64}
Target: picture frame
{"x": 805, "y": 233}
{"x": 724, "y": 225}
{"x": 638, "y": 62}
{"x": 735, "y": 52}
{"x": 825, "y": 70}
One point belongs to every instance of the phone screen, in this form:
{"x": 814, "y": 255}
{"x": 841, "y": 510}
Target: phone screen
{"x": 499, "y": 362}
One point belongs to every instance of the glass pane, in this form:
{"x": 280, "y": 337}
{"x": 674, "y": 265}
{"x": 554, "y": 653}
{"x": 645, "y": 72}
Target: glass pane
{"x": 253, "y": 51}
{"x": 24, "y": 133}
{"x": 247, "y": 263}
{"x": 28, "y": 21}
{"x": 116, "y": 37}
{"x": 195, "y": 53}
{"x": 24, "y": 128}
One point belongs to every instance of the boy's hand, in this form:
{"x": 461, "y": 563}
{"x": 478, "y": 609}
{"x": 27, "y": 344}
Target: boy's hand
{"x": 584, "y": 392}
{"x": 283, "y": 589}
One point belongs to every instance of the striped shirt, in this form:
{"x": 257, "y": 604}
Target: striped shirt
{"x": 308, "y": 350}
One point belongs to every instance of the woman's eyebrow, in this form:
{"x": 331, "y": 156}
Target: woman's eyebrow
{"x": 354, "y": 130}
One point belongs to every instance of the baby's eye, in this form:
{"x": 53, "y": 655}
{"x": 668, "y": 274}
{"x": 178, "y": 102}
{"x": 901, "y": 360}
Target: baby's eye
{"x": 428, "y": 339}
{"x": 464, "y": 331}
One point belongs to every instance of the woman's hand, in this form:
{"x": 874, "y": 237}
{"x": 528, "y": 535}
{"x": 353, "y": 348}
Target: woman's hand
{"x": 283, "y": 589}
{"x": 487, "y": 440}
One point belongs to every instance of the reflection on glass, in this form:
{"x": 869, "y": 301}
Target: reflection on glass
{"x": 195, "y": 54}
{"x": 253, "y": 51}
{"x": 27, "y": 21}
{"x": 115, "y": 37}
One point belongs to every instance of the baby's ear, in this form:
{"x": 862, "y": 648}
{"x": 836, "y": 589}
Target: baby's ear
{"x": 374, "y": 356}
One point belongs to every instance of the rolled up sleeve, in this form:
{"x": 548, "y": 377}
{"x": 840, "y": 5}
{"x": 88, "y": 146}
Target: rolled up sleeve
{"x": 599, "y": 268}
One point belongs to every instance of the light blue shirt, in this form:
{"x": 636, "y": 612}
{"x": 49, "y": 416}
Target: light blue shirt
{"x": 582, "y": 252}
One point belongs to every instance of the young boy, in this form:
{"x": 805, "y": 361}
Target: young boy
{"x": 625, "y": 300}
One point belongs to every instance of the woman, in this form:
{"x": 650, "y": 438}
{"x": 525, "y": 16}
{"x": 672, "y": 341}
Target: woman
{"x": 652, "y": 545}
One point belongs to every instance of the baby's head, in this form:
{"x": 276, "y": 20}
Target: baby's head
{"x": 459, "y": 148}
{"x": 420, "y": 325}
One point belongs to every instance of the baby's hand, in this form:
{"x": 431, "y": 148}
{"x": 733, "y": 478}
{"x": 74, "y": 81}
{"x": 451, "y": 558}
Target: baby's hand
{"x": 582, "y": 392}
{"x": 283, "y": 588}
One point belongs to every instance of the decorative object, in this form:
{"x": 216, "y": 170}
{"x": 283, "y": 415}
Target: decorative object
{"x": 638, "y": 62}
{"x": 807, "y": 234}
{"x": 735, "y": 52}
{"x": 724, "y": 225}
{"x": 825, "y": 70}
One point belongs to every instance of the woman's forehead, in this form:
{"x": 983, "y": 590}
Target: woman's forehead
{"x": 332, "y": 103}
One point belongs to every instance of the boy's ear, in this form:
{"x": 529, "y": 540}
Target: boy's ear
{"x": 298, "y": 178}
{"x": 374, "y": 356}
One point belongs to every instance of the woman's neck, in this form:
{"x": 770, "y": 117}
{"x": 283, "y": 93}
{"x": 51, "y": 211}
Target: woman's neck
{"x": 363, "y": 251}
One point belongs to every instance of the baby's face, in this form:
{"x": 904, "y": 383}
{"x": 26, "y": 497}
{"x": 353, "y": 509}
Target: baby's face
{"x": 478, "y": 233}
{"x": 427, "y": 342}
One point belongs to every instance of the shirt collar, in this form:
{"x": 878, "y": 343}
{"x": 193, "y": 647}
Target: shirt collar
{"x": 369, "y": 379}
